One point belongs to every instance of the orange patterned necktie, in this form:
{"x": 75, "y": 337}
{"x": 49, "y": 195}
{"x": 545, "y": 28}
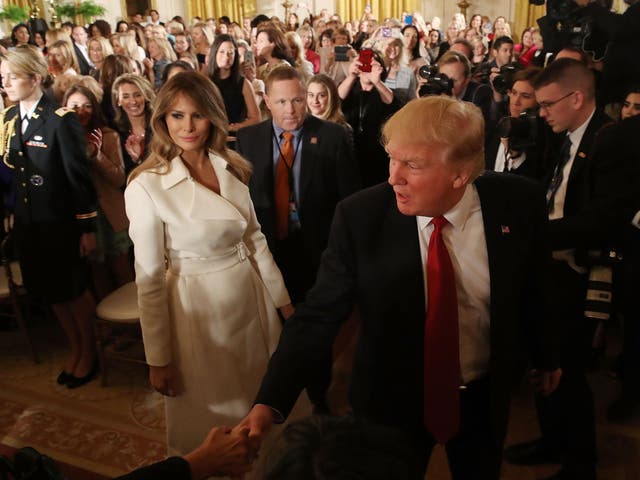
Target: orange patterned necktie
{"x": 282, "y": 186}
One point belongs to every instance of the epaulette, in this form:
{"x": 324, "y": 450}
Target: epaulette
{"x": 62, "y": 111}
{"x": 4, "y": 112}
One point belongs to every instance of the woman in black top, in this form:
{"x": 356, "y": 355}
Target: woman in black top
{"x": 224, "y": 71}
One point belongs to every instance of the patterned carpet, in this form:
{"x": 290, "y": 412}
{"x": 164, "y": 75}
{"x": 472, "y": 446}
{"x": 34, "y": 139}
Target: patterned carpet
{"x": 115, "y": 429}
{"x": 109, "y": 430}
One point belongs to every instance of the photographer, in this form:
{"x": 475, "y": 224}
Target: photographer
{"x": 366, "y": 103}
{"x": 517, "y": 145}
{"x": 457, "y": 67}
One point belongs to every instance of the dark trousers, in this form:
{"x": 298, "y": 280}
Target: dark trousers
{"x": 476, "y": 452}
{"x": 566, "y": 417}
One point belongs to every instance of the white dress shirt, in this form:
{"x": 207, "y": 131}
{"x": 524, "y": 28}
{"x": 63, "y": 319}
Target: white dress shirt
{"x": 504, "y": 164}
{"x": 467, "y": 246}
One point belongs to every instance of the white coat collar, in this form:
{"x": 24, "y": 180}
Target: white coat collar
{"x": 232, "y": 191}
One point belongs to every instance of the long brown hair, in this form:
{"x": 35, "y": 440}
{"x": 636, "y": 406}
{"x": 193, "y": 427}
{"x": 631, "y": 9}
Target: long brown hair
{"x": 202, "y": 92}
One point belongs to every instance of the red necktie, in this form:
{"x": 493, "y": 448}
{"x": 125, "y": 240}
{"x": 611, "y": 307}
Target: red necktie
{"x": 282, "y": 190}
{"x": 441, "y": 357}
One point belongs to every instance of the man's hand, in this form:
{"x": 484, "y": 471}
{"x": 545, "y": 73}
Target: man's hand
{"x": 258, "y": 422}
{"x": 225, "y": 452}
{"x": 87, "y": 244}
{"x": 547, "y": 381}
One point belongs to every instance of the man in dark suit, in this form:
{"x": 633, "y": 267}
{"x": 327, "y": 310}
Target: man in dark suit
{"x": 79, "y": 35}
{"x": 449, "y": 280}
{"x": 587, "y": 206}
{"x": 321, "y": 172}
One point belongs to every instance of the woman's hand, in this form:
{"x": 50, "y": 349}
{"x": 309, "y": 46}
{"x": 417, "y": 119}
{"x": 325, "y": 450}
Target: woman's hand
{"x": 135, "y": 147}
{"x": 94, "y": 142}
{"x": 354, "y": 68}
{"x": 165, "y": 380}
{"x": 286, "y": 311}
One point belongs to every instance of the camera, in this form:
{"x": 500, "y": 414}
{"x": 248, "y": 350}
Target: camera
{"x": 437, "y": 83}
{"x": 522, "y": 131}
{"x": 503, "y": 82}
{"x": 569, "y": 24}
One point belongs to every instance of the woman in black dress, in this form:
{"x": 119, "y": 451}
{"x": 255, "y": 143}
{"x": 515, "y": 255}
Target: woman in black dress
{"x": 237, "y": 92}
{"x": 55, "y": 204}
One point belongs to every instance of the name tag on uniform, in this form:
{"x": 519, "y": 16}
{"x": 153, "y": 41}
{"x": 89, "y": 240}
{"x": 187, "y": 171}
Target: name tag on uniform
{"x": 36, "y": 143}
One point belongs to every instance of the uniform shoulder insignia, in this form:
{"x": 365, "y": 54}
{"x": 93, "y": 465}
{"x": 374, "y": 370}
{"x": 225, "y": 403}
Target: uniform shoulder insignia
{"x": 7, "y": 109}
{"x": 62, "y": 111}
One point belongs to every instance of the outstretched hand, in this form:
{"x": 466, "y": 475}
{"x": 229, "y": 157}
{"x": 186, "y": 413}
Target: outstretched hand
{"x": 257, "y": 422}
{"x": 225, "y": 452}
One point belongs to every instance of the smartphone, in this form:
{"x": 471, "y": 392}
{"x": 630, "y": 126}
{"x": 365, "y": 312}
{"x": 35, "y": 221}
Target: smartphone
{"x": 408, "y": 20}
{"x": 366, "y": 54}
{"x": 340, "y": 53}
{"x": 386, "y": 32}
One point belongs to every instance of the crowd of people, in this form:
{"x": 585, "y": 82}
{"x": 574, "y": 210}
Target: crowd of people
{"x": 445, "y": 196}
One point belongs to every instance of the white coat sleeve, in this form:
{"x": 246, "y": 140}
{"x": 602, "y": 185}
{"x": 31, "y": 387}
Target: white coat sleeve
{"x": 146, "y": 230}
{"x": 263, "y": 261}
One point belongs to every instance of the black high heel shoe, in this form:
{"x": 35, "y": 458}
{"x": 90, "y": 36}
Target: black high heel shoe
{"x": 76, "y": 382}
{"x": 63, "y": 378}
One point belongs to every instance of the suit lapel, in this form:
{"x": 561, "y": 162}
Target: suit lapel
{"x": 498, "y": 238}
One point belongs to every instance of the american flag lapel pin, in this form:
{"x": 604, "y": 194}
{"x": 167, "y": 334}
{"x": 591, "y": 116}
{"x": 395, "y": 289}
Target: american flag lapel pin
{"x": 505, "y": 230}
{"x": 313, "y": 141}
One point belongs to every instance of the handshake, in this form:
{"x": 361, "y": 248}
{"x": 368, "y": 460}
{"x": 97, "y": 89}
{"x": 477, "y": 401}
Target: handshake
{"x": 231, "y": 451}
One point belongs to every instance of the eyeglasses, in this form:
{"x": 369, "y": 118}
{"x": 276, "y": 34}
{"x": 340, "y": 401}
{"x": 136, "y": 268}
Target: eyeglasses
{"x": 547, "y": 105}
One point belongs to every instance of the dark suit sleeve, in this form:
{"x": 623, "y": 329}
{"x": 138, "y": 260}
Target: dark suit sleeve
{"x": 307, "y": 337}
{"x": 541, "y": 328}
{"x": 175, "y": 468}
{"x": 76, "y": 165}
{"x": 347, "y": 172}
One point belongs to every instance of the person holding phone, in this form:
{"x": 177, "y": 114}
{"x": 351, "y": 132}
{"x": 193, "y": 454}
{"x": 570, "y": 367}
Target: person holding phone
{"x": 366, "y": 103}
{"x": 338, "y": 56}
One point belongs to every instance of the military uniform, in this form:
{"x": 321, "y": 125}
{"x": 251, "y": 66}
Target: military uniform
{"x": 54, "y": 197}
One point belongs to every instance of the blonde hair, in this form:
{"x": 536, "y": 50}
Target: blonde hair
{"x": 334, "y": 111}
{"x": 206, "y": 30}
{"x": 27, "y": 60}
{"x": 107, "y": 49}
{"x": 453, "y": 124}
{"x": 165, "y": 47}
{"x": 91, "y": 84}
{"x": 68, "y": 54}
{"x": 121, "y": 119}
{"x": 128, "y": 43}
{"x": 206, "y": 95}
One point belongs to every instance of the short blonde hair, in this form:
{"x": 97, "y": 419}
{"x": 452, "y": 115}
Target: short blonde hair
{"x": 27, "y": 60}
{"x": 453, "y": 124}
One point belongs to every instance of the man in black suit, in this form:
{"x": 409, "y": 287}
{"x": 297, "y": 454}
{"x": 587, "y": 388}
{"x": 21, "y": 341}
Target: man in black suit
{"x": 458, "y": 68}
{"x": 323, "y": 172}
{"x": 79, "y": 35}
{"x": 485, "y": 302}
{"x": 587, "y": 206}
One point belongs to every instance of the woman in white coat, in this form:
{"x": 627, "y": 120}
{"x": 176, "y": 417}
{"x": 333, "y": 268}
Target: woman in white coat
{"x": 208, "y": 287}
